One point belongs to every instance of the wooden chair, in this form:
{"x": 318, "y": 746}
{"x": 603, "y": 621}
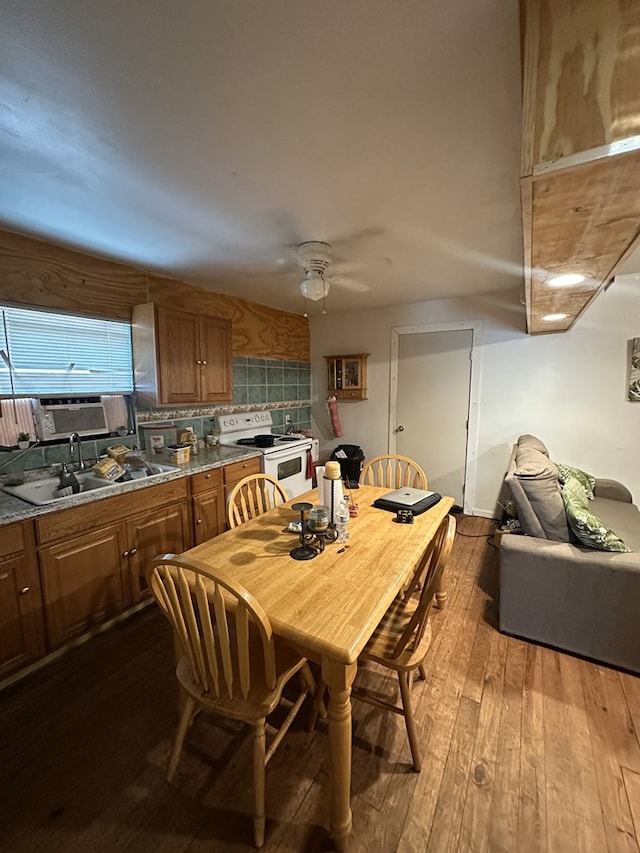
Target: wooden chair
{"x": 402, "y": 639}
{"x": 393, "y": 471}
{"x": 253, "y": 496}
{"x": 231, "y": 665}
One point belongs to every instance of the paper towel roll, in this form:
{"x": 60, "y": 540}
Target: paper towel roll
{"x": 332, "y": 487}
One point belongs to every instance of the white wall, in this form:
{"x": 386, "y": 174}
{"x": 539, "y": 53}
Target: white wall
{"x": 569, "y": 389}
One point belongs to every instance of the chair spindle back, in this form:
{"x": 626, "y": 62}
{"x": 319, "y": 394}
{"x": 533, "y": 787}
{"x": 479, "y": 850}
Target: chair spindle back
{"x": 212, "y": 616}
{"x": 253, "y": 496}
{"x": 393, "y": 471}
{"x": 435, "y": 560}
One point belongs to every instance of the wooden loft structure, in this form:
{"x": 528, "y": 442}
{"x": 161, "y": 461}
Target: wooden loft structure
{"x": 580, "y": 176}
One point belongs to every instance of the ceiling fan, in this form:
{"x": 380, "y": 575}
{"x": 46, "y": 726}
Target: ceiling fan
{"x": 314, "y": 257}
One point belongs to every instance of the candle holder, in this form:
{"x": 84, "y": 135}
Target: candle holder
{"x": 315, "y": 530}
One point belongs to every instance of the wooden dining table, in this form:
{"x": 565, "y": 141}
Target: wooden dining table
{"x": 329, "y": 606}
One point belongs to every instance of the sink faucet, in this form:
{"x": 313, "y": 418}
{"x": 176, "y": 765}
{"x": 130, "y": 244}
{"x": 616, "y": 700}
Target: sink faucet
{"x": 74, "y": 440}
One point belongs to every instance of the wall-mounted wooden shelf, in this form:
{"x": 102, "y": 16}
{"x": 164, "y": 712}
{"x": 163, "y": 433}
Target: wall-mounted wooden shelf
{"x": 348, "y": 376}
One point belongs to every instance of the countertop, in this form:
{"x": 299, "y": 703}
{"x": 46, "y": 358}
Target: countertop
{"x": 13, "y": 509}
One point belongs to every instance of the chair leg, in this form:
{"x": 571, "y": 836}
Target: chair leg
{"x": 183, "y": 725}
{"x": 423, "y": 671}
{"x": 403, "y": 678}
{"x": 313, "y": 689}
{"x": 319, "y": 708}
{"x": 259, "y": 740}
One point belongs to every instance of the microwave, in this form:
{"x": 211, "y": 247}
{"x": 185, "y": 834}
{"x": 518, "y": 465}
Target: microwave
{"x": 59, "y": 417}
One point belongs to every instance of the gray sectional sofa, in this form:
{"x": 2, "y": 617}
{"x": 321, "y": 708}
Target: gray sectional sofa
{"x": 560, "y": 593}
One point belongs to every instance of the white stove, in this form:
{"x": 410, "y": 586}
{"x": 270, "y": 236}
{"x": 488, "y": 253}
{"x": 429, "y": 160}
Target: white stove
{"x": 288, "y": 459}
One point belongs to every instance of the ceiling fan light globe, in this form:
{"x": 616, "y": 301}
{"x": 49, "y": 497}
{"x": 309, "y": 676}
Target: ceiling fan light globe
{"x": 314, "y": 287}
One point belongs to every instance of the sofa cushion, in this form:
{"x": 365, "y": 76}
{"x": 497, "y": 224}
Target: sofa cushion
{"x": 527, "y": 440}
{"x": 588, "y": 529}
{"x": 537, "y": 477}
{"x": 621, "y": 516}
{"x": 588, "y": 481}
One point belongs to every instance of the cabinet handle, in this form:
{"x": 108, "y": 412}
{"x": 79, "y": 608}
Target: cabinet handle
{"x": 125, "y": 553}
{"x": 207, "y": 476}
{"x": 198, "y": 361}
{"x": 199, "y": 521}
{"x": 133, "y": 551}
{"x": 204, "y": 362}
{"x": 25, "y": 590}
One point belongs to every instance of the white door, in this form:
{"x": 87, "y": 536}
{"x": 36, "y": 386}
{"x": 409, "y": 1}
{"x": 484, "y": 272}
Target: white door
{"x": 433, "y": 397}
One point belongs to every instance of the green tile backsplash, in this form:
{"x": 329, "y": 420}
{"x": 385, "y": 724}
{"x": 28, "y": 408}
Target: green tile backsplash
{"x": 283, "y": 387}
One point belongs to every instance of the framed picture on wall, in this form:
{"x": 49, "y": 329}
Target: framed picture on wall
{"x": 634, "y": 372}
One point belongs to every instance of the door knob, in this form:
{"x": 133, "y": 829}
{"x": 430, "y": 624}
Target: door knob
{"x": 400, "y": 428}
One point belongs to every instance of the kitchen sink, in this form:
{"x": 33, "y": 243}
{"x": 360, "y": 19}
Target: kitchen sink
{"x": 45, "y": 491}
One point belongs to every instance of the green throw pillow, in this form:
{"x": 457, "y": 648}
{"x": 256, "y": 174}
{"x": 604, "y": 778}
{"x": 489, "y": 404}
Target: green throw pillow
{"x": 587, "y": 480}
{"x": 586, "y": 526}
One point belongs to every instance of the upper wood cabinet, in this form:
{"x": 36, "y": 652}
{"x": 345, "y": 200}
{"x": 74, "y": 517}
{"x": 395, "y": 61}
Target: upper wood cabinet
{"x": 347, "y": 376}
{"x": 180, "y": 358}
{"x": 580, "y": 176}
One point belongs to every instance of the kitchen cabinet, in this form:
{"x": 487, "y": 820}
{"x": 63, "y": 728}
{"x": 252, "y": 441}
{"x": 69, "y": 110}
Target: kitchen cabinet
{"x": 234, "y": 472}
{"x": 22, "y": 637}
{"x": 150, "y": 534}
{"x": 208, "y": 504}
{"x": 180, "y": 358}
{"x": 347, "y": 376}
{"x": 84, "y": 583}
{"x": 93, "y": 560}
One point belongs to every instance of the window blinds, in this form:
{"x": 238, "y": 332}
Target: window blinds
{"x": 45, "y": 353}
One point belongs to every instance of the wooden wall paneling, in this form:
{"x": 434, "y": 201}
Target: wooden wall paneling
{"x": 583, "y": 219}
{"x": 43, "y": 274}
{"x": 580, "y": 149}
{"x": 38, "y": 273}
{"x": 258, "y": 331}
{"x": 587, "y": 81}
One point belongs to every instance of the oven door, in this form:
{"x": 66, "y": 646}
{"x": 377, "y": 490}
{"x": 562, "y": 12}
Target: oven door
{"x": 289, "y": 467}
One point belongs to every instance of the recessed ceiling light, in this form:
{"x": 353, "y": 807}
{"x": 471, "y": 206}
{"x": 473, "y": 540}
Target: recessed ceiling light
{"x": 566, "y": 279}
{"x": 552, "y": 318}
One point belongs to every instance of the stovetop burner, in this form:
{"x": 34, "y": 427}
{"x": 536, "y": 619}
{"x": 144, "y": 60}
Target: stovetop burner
{"x": 251, "y": 442}
{"x": 240, "y": 429}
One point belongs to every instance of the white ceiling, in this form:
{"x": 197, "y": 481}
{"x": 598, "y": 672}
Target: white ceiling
{"x": 204, "y": 139}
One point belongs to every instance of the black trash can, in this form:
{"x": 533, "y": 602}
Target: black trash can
{"x": 351, "y": 462}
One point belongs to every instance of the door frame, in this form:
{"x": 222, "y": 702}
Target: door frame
{"x": 476, "y": 327}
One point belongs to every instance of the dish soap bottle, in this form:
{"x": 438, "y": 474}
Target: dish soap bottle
{"x": 68, "y": 481}
{"x": 342, "y": 522}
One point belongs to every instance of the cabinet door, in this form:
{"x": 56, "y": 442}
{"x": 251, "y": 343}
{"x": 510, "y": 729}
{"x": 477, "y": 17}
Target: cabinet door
{"x": 215, "y": 354}
{"x": 21, "y": 621}
{"x": 164, "y": 531}
{"x": 84, "y": 582}
{"x": 352, "y": 374}
{"x": 209, "y": 515}
{"x": 179, "y": 364}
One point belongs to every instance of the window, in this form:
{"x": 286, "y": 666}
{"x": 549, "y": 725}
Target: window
{"x": 49, "y": 353}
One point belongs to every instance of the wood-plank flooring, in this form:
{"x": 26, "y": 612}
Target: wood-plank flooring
{"x": 524, "y": 749}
